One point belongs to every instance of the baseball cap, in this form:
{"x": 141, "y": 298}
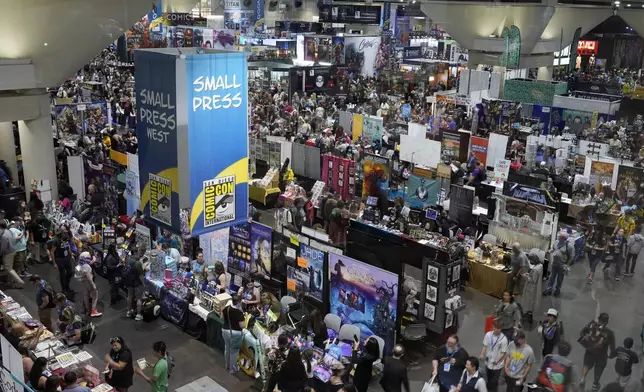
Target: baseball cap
{"x": 552, "y": 312}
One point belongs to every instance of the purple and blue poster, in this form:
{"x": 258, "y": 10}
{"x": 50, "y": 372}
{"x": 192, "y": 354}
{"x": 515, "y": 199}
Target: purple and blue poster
{"x": 239, "y": 259}
{"x": 365, "y": 296}
{"x": 307, "y": 275}
{"x": 261, "y": 248}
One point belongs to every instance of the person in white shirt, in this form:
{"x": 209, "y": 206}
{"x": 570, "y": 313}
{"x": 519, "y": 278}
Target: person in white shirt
{"x": 495, "y": 347}
{"x": 471, "y": 381}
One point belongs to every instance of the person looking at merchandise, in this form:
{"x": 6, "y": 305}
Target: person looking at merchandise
{"x": 519, "y": 264}
{"x": 62, "y": 304}
{"x": 133, "y": 278}
{"x": 449, "y": 363}
{"x": 233, "y": 324}
{"x": 363, "y": 362}
{"x": 292, "y": 376}
{"x": 39, "y": 373}
{"x": 160, "y": 371}
{"x": 44, "y": 300}
{"x": 60, "y": 255}
{"x": 275, "y": 358}
{"x": 71, "y": 382}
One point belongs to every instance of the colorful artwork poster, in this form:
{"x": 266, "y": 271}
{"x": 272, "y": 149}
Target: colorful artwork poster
{"x": 208, "y": 37}
{"x": 601, "y": 173}
{"x": 372, "y": 129}
{"x": 478, "y": 146}
{"x": 364, "y": 296}
{"x": 422, "y": 192}
{"x": 376, "y": 176}
{"x": 307, "y": 275}
{"x": 239, "y": 259}
{"x": 215, "y": 246}
{"x": 577, "y": 120}
{"x": 451, "y": 144}
{"x": 260, "y": 256}
{"x": 337, "y": 51}
{"x": 629, "y": 180}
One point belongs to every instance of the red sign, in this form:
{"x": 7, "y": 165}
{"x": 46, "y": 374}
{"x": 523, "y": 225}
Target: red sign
{"x": 478, "y": 146}
{"x": 587, "y": 47}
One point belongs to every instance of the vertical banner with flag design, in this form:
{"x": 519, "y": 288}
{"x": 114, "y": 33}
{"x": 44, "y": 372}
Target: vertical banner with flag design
{"x": 217, "y": 113}
{"x": 157, "y": 131}
{"x": 259, "y": 16}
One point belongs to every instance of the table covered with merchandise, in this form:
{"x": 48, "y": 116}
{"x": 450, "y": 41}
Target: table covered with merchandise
{"x": 488, "y": 279}
{"x": 61, "y": 358}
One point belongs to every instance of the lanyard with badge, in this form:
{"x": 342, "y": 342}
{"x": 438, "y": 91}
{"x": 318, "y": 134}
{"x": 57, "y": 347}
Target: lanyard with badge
{"x": 448, "y": 364}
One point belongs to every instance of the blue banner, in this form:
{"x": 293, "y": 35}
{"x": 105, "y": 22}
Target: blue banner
{"x": 217, "y": 92}
{"x": 259, "y": 16}
{"x": 157, "y": 133}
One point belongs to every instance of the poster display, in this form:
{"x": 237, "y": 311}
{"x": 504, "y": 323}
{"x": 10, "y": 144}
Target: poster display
{"x": 284, "y": 253}
{"x": 501, "y": 169}
{"x": 363, "y": 55}
{"x": 217, "y": 93}
{"x": 239, "y": 259}
{"x": 478, "y": 146}
{"x": 337, "y": 51}
{"x": 356, "y": 130}
{"x": 306, "y": 276}
{"x": 215, "y": 246}
{"x": 261, "y": 249}
{"x": 600, "y": 173}
{"x": 339, "y": 174}
{"x": 422, "y": 192}
{"x": 451, "y": 145}
{"x": 372, "y": 129}
{"x": 143, "y": 237}
{"x": 157, "y": 130}
{"x": 376, "y": 176}
{"x": 364, "y": 296}
{"x": 629, "y": 181}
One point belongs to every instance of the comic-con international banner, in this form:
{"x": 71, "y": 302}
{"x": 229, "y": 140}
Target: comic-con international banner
{"x": 157, "y": 131}
{"x": 216, "y": 87}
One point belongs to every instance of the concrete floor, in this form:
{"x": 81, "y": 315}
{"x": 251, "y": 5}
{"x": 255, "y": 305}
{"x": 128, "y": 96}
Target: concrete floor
{"x": 578, "y": 304}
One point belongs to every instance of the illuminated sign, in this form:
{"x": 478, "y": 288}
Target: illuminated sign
{"x": 587, "y": 47}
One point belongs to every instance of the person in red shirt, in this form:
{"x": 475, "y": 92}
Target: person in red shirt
{"x": 309, "y": 209}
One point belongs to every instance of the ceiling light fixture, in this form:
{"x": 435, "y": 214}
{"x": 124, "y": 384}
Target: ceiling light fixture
{"x": 628, "y": 5}
{"x": 46, "y": 44}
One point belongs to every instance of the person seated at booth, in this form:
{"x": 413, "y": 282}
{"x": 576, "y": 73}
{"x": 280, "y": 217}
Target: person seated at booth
{"x": 73, "y": 327}
{"x": 220, "y": 276}
{"x": 270, "y": 304}
{"x": 478, "y": 174}
{"x": 63, "y": 304}
{"x": 251, "y": 296}
{"x": 198, "y": 264}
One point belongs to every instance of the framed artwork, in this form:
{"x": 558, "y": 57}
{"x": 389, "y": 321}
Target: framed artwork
{"x": 456, "y": 273}
{"x": 430, "y": 312}
{"x": 449, "y": 319}
{"x": 431, "y": 293}
{"x": 432, "y": 273}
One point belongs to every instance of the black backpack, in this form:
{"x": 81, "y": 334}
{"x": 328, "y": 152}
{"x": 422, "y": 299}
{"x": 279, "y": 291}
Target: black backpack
{"x": 88, "y": 332}
{"x": 127, "y": 273}
{"x": 591, "y": 336}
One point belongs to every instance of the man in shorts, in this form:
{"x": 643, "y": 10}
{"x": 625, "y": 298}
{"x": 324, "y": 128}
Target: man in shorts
{"x": 599, "y": 342}
{"x": 133, "y": 277}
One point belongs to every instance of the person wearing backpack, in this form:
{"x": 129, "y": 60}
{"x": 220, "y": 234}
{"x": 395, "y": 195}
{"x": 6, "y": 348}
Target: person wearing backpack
{"x": 60, "y": 253}
{"x": 478, "y": 175}
{"x": 8, "y": 253}
{"x": 133, "y": 275}
{"x": 275, "y": 359}
{"x": 626, "y": 358}
{"x": 44, "y": 300}
{"x": 557, "y": 371}
{"x": 561, "y": 255}
{"x": 160, "y": 370}
{"x": 599, "y": 342}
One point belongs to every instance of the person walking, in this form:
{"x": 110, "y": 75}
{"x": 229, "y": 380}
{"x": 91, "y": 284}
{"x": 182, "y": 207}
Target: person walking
{"x": 60, "y": 254}
{"x": 493, "y": 352}
{"x": 471, "y": 381}
{"x": 557, "y": 372}
{"x": 550, "y": 331}
{"x": 20, "y": 246}
{"x": 617, "y": 253}
{"x": 119, "y": 367}
{"x": 114, "y": 267}
{"x": 449, "y": 363}
{"x": 160, "y": 371}
{"x": 84, "y": 275}
{"x": 519, "y": 263}
{"x": 518, "y": 363}
{"x": 509, "y": 313}
{"x": 562, "y": 256}
{"x": 626, "y": 358}
{"x": 8, "y": 253}
{"x": 394, "y": 372}
{"x": 531, "y": 298}
{"x": 634, "y": 248}
{"x": 599, "y": 342}
{"x": 595, "y": 247}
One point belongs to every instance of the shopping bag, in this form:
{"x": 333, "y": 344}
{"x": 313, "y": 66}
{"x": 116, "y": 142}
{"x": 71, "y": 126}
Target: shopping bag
{"x": 489, "y": 323}
{"x": 430, "y": 386}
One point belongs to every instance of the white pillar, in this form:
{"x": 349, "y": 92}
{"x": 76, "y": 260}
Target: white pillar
{"x": 37, "y": 146}
{"x": 544, "y": 73}
{"x": 8, "y": 149}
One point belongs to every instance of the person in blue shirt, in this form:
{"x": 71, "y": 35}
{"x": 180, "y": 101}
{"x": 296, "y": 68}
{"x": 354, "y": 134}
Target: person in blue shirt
{"x": 198, "y": 264}
{"x": 168, "y": 239}
{"x": 478, "y": 175}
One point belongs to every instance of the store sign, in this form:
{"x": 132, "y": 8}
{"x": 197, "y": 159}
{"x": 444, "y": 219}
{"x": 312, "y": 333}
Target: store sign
{"x": 217, "y": 114}
{"x": 587, "y": 47}
{"x": 259, "y": 15}
{"x": 413, "y": 53}
{"x": 179, "y": 18}
{"x": 363, "y": 14}
{"x": 157, "y": 131}
{"x": 478, "y": 146}
{"x": 533, "y": 195}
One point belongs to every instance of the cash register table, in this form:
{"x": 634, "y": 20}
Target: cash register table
{"x": 487, "y": 279}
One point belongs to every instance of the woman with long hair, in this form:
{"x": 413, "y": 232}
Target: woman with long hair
{"x": 270, "y": 303}
{"x": 364, "y": 363}
{"x": 52, "y": 384}
{"x": 293, "y": 375}
{"x": 39, "y": 374}
{"x": 113, "y": 263}
{"x": 220, "y": 276}
{"x": 509, "y": 313}
{"x": 319, "y": 329}
{"x": 119, "y": 365}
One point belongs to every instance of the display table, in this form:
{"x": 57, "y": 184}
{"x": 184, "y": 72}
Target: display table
{"x": 487, "y": 279}
{"x": 265, "y": 196}
{"x": 174, "y": 309}
{"x": 196, "y": 325}
{"x": 155, "y": 287}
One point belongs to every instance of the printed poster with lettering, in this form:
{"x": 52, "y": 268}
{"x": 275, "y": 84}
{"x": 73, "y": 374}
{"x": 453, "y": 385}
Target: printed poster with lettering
{"x": 501, "y": 169}
{"x": 217, "y": 138}
{"x": 157, "y": 132}
{"x": 239, "y": 255}
{"x": 307, "y": 275}
{"x": 478, "y": 146}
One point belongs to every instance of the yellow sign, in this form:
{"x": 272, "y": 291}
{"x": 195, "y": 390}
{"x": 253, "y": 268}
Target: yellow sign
{"x": 593, "y": 122}
{"x": 219, "y": 200}
{"x": 161, "y": 199}
{"x": 357, "y": 127}
{"x": 118, "y": 157}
